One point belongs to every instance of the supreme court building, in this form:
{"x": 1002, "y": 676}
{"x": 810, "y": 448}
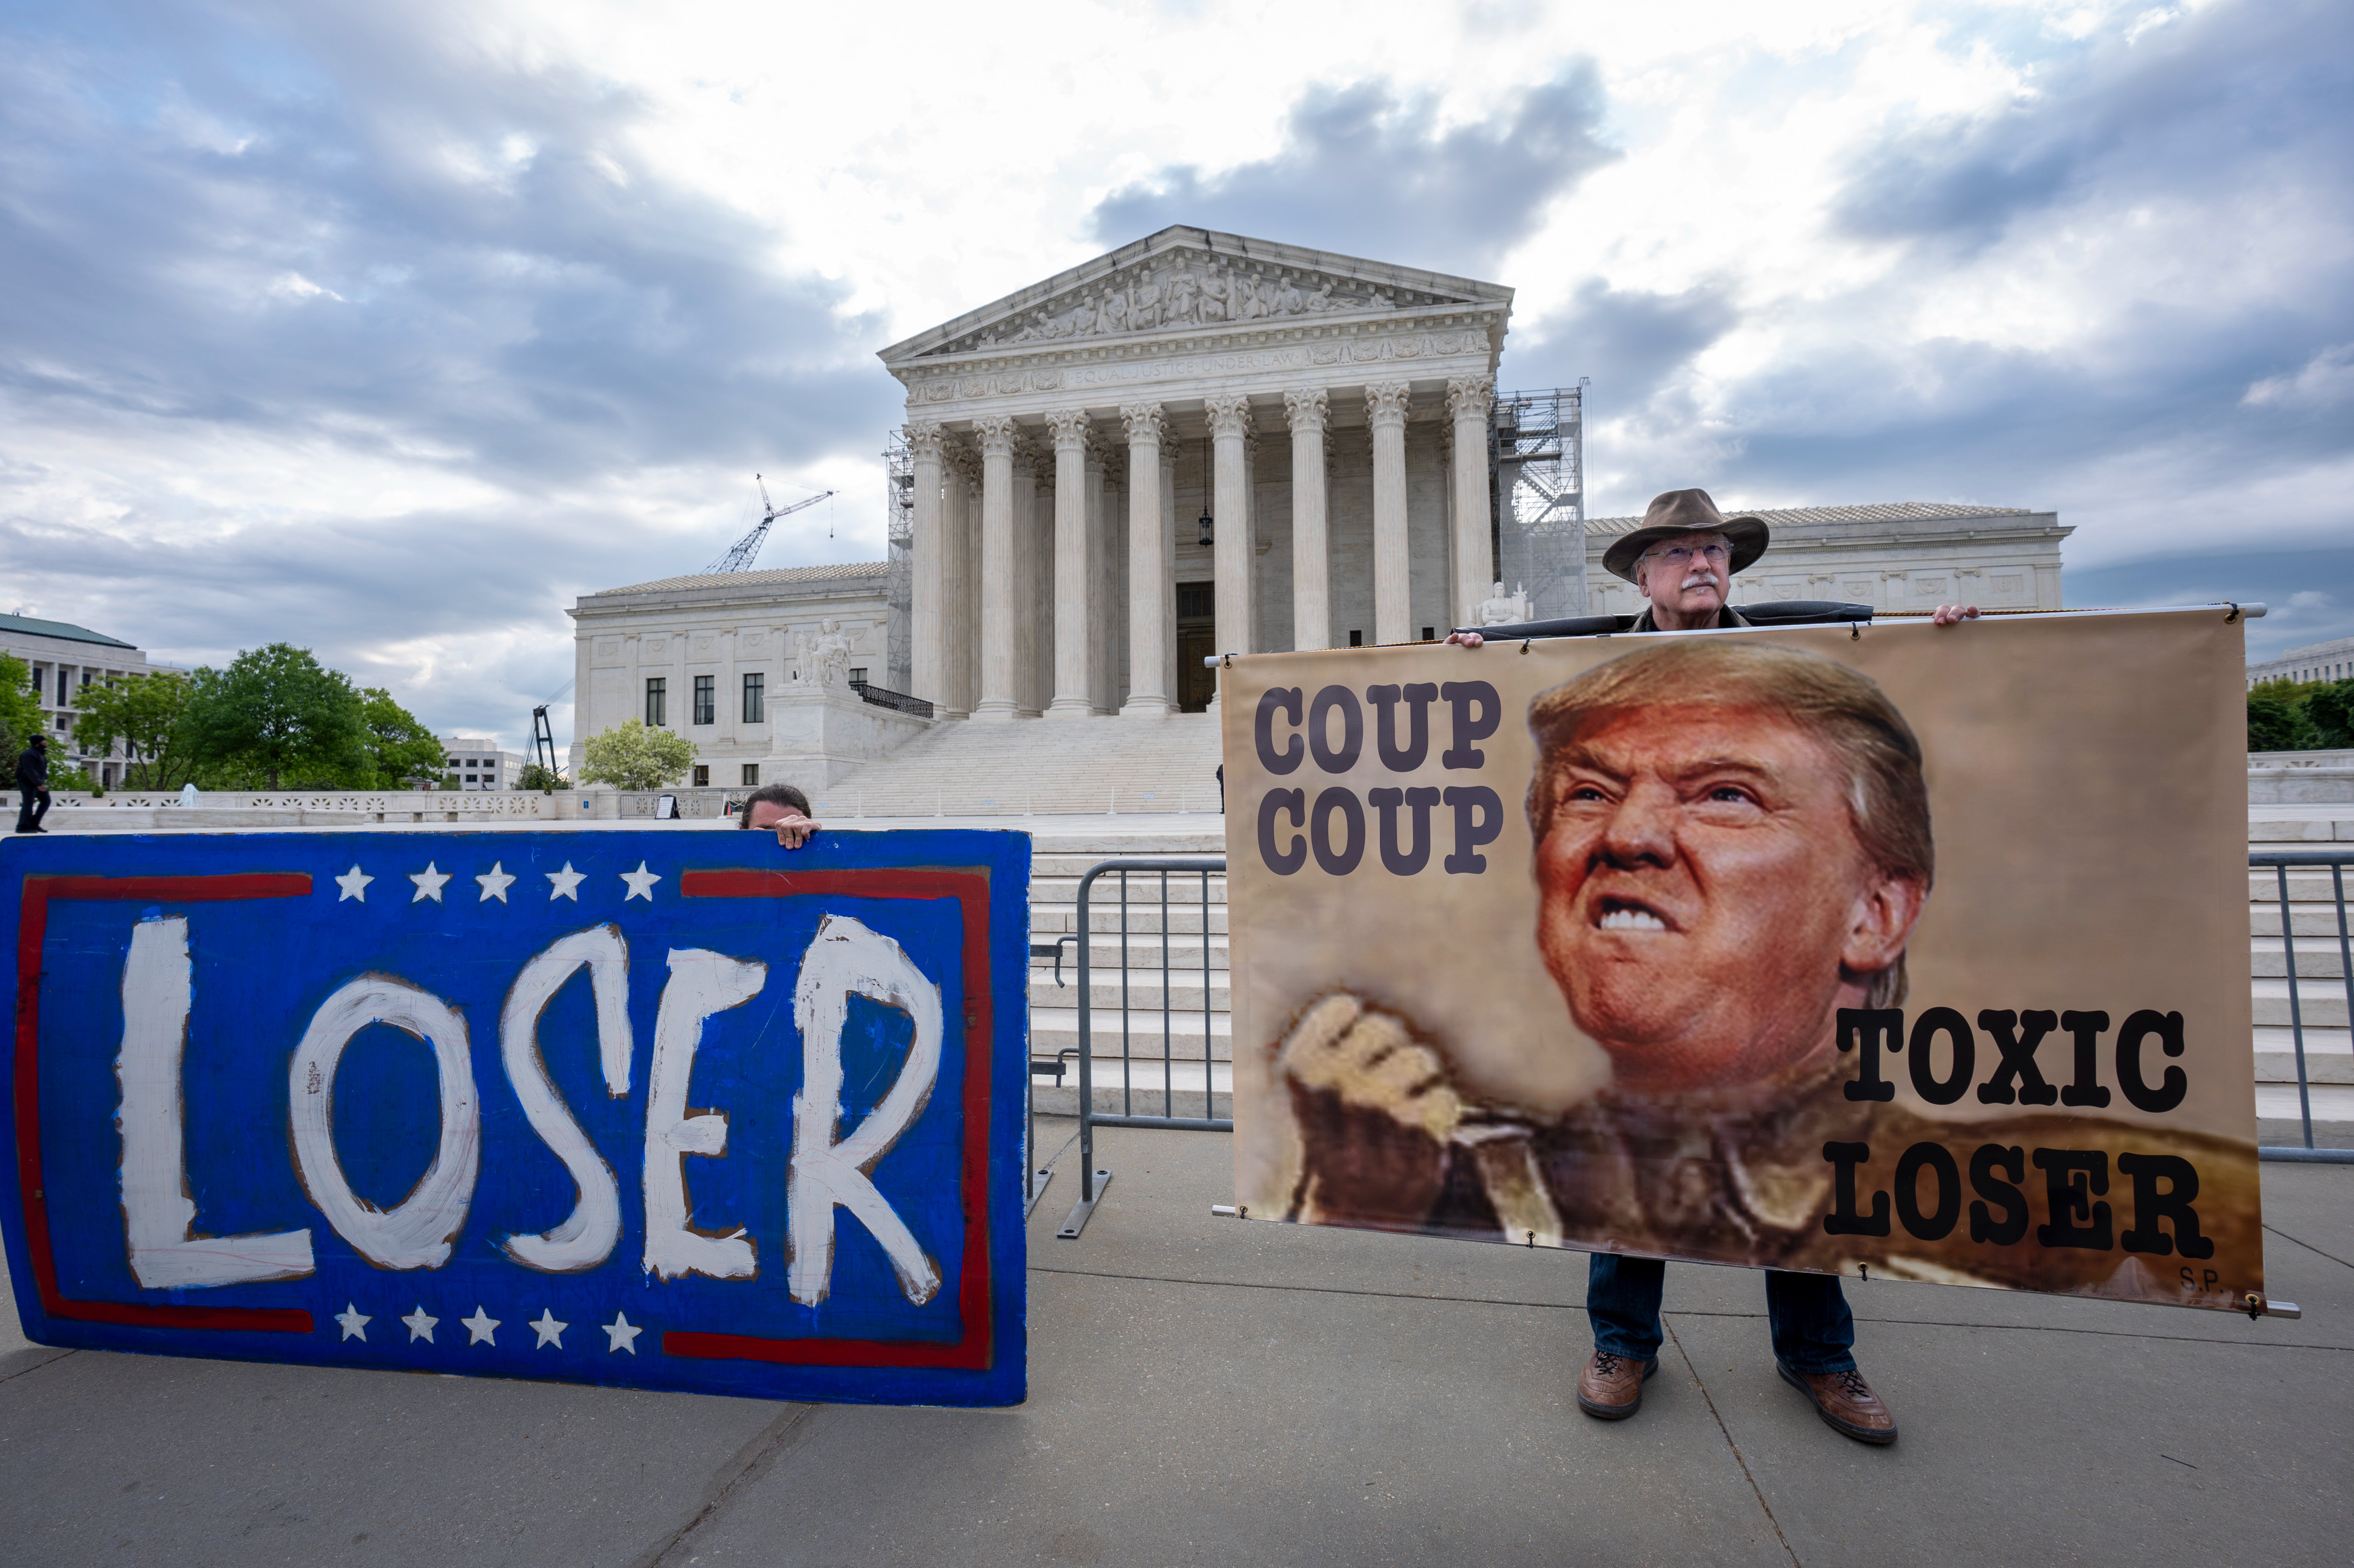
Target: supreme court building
{"x": 1199, "y": 443}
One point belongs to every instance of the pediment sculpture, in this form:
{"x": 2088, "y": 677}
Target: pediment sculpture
{"x": 1188, "y": 287}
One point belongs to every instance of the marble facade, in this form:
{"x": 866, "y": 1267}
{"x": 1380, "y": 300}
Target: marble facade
{"x": 1067, "y": 440}
{"x": 720, "y": 658}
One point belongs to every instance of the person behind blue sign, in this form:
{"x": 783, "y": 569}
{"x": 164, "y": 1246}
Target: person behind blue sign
{"x": 783, "y": 808}
{"x": 32, "y": 785}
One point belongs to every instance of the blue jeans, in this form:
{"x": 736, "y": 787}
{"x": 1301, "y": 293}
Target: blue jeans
{"x": 1812, "y": 1328}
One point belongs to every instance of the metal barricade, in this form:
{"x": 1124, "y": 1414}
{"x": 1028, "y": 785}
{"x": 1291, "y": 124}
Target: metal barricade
{"x": 2282, "y": 862}
{"x": 1093, "y": 1181}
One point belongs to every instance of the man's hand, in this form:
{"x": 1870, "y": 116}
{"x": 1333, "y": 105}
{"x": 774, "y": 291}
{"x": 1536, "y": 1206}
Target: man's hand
{"x": 1374, "y": 1112}
{"x": 1467, "y": 639}
{"x": 1947, "y": 614}
{"x": 793, "y": 829}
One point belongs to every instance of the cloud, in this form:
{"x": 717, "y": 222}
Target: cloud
{"x": 1367, "y": 170}
{"x": 338, "y": 326}
{"x": 2297, "y": 612}
{"x": 2130, "y": 118}
{"x": 2325, "y": 382}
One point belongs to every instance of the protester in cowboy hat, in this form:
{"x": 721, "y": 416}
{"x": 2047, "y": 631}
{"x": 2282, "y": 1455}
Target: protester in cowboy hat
{"x": 1683, "y": 560}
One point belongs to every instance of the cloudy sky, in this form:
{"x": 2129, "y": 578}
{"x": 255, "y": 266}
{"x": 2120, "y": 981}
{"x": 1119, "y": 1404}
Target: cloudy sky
{"x": 389, "y": 330}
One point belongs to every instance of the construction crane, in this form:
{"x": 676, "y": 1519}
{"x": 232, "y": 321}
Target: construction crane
{"x": 748, "y": 548}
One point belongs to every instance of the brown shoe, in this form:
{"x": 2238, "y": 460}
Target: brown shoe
{"x": 1846, "y": 1404}
{"x": 1611, "y": 1387}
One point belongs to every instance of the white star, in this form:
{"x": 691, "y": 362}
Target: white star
{"x": 620, "y": 1335}
{"x": 428, "y": 884}
{"x": 355, "y": 884}
{"x": 568, "y": 884}
{"x": 549, "y": 1331}
{"x": 496, "y": 883}
{"x": 641, "y": 883}
{"x": 420, "y": 1324}
{"x": 480, "y": 1327}
{"x": 354, "y": 1321}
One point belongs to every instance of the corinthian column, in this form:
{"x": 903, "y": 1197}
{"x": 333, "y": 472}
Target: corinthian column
{"x": 1104, "y": 578}
{"x": 1149, "y": 585}
{"x": 1311, "y": 558}
{"x": 960, "y": 580}
{"x": 1074, "y": 575}
{"x": 928, "y": 647}
{"x": 1468, "y": 402}
{"x": 1030, "y": 561}
{"x": 1385, "y": 409}
{"x": 1229, "y": 423}
{"x": 1000, "y": 697}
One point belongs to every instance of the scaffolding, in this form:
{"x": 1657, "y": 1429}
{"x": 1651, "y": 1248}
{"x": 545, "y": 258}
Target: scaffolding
{"x": 1536, "y": 473}
{"x": 899, "y": 571}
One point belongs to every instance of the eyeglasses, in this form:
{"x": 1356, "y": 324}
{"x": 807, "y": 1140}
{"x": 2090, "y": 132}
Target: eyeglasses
{"x": 1680, "y": 554}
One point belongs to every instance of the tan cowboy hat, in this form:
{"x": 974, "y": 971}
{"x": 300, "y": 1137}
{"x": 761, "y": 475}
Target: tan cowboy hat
{"x": 1687, "y": 511}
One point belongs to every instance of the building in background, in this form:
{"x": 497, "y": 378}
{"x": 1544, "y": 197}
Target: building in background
{"x": 477, "y": 762}
{"x": 1899, "y": 555}
{"x": 2332, "y": 661}
{"x": 706, "y": 656}
{"x": 65, "y": 659}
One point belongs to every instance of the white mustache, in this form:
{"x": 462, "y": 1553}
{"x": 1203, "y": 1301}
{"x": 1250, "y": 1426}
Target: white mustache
{"x": 1701, "y": 579}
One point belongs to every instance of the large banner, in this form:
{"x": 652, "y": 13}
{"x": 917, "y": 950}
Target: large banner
{"x": 1911, "y": 951}
{"x": 670, "y": 1109}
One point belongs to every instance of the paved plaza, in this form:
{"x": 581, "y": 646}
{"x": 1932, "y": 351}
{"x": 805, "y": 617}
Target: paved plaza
{"x": 1206, "y": 1390}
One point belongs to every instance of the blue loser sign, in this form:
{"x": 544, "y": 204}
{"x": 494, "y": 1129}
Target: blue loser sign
{"x": 672, "y": 1109}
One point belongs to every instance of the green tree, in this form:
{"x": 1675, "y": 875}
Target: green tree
{"x": 277, "y": 711}
{"x": 398, "y": 749}
{"x": 2277, "y": 719}
{"x": 532, "y": 776}
{"x": 20, "y": 715}
{"x": 631, "y": 756}
{"x": 2331, "y": 713}
{"x": 144, "y": 712}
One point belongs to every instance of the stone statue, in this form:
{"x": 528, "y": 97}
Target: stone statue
{"x": 1214, "y": 296}
{"x": 825, "y": 656}
{"x": 1146, "y": 314}
{"x": 1502, "y": 609}
{"x": 1115, "y": 311}
{"x": 1321, "y": 300}
{"x": 1184, "y": 295}
{"x": 1288, "y": 299}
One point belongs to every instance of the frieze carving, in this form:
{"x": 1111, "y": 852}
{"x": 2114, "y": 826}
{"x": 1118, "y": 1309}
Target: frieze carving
{"x": 1191, "y": 288}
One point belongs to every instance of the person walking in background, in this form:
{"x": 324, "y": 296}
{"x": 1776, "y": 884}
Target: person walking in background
{"x": 32, "y": 785}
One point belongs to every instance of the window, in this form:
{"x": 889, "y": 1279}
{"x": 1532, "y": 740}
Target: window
{"x": 756, "y": 698}
{"x": 702, "y": 774}
{"x": 1356, "y": 640}
{"x": 61, "y": 685}
{"x": 705, "y": 705}
{"x": 857, "y": 677}
{"x": 1430, "y": 634}
{"x": 751, "y": 775}
{"x": 657, "y": 688}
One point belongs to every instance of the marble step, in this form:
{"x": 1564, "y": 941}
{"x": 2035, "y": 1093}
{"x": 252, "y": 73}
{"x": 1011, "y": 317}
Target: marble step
{"x": 2307, "y": 922}
{"x": 1144, "y": 989}
{"x": 1142, "y": 953}
{"x": 2332, "y": 1103}
{"x": 2266, "y": 960}
{"x": 1143, "y": 1089}
{"x": 2323, "y": 1004}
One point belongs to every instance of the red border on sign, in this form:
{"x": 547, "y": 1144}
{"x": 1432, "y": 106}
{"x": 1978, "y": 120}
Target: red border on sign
{"x": 975, "y": 1350}
{"x": 34, "y": 927}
